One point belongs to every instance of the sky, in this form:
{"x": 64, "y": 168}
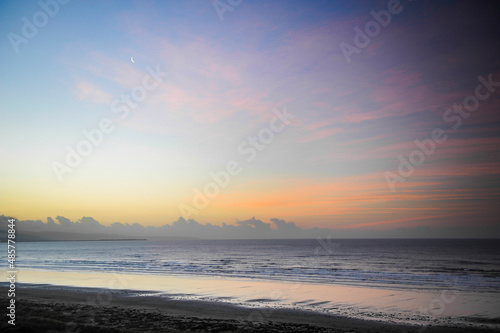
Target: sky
{"x": 359, "y": 115}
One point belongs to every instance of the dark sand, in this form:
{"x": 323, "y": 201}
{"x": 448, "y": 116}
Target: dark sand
{"x": 67, "y": 309}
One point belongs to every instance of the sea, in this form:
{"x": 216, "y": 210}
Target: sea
{"x": 413, "y": 273}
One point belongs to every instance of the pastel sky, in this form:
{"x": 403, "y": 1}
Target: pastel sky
{"x": 222, "y": 83}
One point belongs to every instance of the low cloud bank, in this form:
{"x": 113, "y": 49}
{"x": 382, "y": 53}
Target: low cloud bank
{"x": 247, "y": 229}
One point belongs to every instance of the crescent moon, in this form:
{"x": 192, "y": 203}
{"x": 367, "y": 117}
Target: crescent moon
{"x": 132, "y": 59}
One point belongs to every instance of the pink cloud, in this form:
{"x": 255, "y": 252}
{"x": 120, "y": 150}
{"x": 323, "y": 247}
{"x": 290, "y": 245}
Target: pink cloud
{"x": 90, "y": 92}
{"x": 320, "y": 134}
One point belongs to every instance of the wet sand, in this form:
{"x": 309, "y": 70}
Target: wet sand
{"x": 45, "y": 308}
{"x": 401, "y": 306}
